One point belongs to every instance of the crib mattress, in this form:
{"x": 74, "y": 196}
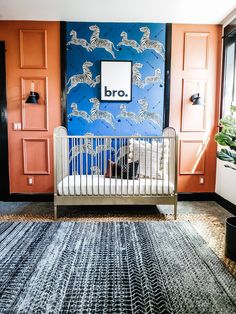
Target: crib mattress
{"x": 98, "y": 185}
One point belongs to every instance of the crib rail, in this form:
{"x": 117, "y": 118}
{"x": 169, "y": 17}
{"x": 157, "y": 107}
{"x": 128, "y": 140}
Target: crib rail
{"x": 120, "y": 166}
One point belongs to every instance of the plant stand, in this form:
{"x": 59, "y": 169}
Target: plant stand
{"x": 230, "y": 238}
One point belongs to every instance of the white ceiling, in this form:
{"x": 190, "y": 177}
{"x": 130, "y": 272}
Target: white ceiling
{"x": 172, "y": 11}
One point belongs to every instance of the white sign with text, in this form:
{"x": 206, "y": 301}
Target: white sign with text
{"x": 116, "y": 79}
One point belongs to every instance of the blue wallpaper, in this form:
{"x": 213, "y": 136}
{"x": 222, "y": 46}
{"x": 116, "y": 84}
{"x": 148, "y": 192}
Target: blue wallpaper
{"x": 87, "y": 44}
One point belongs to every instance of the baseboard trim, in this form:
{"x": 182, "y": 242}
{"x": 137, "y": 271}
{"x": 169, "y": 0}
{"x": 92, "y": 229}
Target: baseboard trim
{"x": 230, "y": 207}
{"x": 209, "y": 196}
{"x": 21, "y": 197}
{"x": 48, "y": 197}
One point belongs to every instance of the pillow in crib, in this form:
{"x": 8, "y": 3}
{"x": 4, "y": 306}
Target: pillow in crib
{"x": 129, "y": 169}
{"x": 110, "y": 168}
{"x": 152, "y": 157}
{"x": 121, "y": 169}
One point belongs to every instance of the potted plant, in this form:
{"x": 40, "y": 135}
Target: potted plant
{"x": 227, "y": 138}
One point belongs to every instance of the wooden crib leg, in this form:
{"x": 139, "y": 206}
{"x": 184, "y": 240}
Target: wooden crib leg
{"x": 55, "y": 212}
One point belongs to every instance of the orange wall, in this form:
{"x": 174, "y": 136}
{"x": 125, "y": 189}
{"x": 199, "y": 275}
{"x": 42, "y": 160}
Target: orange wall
{"x": 32, "y": 53}
{"x": 195, "y": 67}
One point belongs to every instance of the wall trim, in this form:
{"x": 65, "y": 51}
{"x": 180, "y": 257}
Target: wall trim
{"x": 63, "y": 73}
{"x": 4, "y": 161}
{"x": 167, "y": 75}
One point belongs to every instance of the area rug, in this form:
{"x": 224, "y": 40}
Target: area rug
{"x": 116, "y": 267}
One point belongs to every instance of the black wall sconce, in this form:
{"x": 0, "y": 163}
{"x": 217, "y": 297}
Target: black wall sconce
{"x": 197, "y": 100}
{"x": 33, "y": 97}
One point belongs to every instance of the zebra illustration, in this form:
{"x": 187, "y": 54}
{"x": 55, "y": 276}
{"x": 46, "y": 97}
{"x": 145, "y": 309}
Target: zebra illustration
{"x": 144, "y": 114}
{"x": 84, "y": 78}
{"x": 127, "y": 114}
{"x": 83, "y": 147}
{"x": 147, "y": 43}
{"x": 79, "y": 113}
{"x": 136, "y": 74}
{"x": 87, "y": 147}
{"x": 129, "y": 42}
{"x": 96, "y": 113}
{"x": 95, "y": 170}
{"x": 78, "y": 41}
{"x": 153, "y": 79}
{"x": 97, "y": 42}
{"x": 105, "y": 146}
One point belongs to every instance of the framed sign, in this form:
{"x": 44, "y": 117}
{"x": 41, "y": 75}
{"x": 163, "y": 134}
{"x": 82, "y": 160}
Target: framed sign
{"x": 116, "y": 80}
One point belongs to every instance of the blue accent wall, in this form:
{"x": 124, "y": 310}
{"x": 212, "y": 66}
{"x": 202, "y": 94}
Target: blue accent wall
{"x": 144, "y": 114}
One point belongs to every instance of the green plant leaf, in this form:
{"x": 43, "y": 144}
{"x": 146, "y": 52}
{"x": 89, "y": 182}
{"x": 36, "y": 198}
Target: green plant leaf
{"x": 227, "y": 137}
{"x": 228, "y": 121}
{"x": 224, "y": 139}
{"x": 230, "y": 131}
{"x": 227, "y": 155}
{"x": 233, "y": 108}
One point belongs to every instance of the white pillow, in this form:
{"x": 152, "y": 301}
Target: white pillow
{"x": 155, "y": 163}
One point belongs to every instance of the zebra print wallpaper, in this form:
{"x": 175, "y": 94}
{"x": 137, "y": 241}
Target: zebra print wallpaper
{"x": 89, "y": 43}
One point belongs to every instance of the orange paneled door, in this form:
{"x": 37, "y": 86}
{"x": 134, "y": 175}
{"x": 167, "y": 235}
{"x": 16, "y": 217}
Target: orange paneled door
{"x": 32, "y": 61}
{"x": 195, "y": 68}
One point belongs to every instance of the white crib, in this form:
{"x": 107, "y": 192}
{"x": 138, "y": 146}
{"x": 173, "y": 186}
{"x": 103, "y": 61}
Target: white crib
{"x": 106, "y": 170}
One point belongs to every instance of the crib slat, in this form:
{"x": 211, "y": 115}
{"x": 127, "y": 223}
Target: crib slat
{"x": 73, "y": 163}
{"x": 163, "y": 168}
{"x": 110, "y": 166}
{"x": 157, "y": 171}
{"x": 86, "y": 164}
{"x": 127, "y": 173}
{"x": 92, "y": 162}
{"x": 104, "y": 164}
{"x": 133, "y": 165}
{"x": 55, "y": 150}
{"x": 81, "y": 164}
{"x": 62, "y": 165}
{"x": 116, "y": 147}
{"x": 99, "y": 165}
{"x": 168, "y": 151}
{"x": 77, "y": 160}
{"x": 139, "y": 177}
{"x": 151, "y": 167}
{"x": 145, "y": 167}
{"x": 122, "y": 146}
{"x": 68, "y": 166}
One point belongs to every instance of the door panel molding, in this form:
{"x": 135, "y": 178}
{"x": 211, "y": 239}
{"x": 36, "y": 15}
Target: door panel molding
{"x": 196, "y": 51}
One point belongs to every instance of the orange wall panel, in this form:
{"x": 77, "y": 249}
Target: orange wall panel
{"x": 32, "y": 53}
{"x": 195, "y": 67}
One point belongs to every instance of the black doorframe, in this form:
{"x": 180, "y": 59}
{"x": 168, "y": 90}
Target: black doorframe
{"x": 4, "y": 161}
{"x": 228, "y": 38}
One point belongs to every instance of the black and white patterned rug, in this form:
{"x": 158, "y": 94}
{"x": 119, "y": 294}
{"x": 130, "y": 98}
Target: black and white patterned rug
{"x": 119, "y": 267}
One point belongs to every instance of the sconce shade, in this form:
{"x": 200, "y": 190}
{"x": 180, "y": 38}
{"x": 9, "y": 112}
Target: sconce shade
{"x": 32, "y": 98}
{"x": 197, "y": 100}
